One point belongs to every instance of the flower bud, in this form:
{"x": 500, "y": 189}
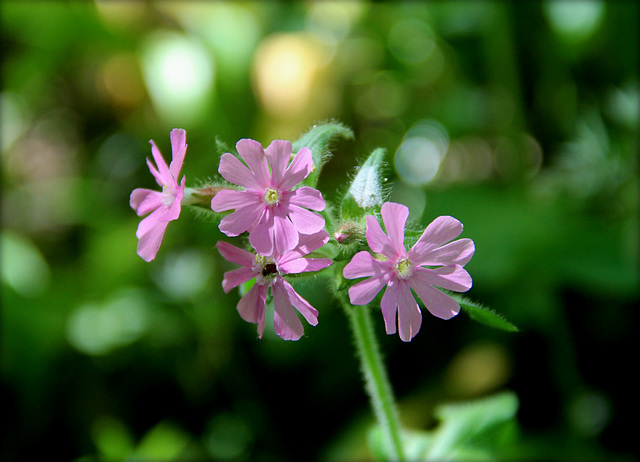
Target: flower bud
{"x": 201, "y": 195}
{"x": 366, "y": 187}
{"x": 349, "y": 232}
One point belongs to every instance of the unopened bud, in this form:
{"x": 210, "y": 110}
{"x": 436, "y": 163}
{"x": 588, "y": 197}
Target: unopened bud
{"x": 366, "y": 188}
{"x": 349, "y": 232}
{"x": 200, "y": 196}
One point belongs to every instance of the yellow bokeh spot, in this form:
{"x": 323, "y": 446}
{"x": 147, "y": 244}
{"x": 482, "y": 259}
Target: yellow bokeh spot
{"x": 120, "y": 80}
{"x": 286, "y": 70}
{"x": 477, "y": 370}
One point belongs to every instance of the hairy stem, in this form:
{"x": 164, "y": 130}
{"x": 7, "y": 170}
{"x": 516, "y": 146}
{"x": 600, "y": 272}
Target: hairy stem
{"x": 375, "y": 377}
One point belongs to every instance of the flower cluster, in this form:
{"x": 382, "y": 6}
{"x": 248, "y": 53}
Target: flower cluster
{"x": 265, "y": 199}
{"x": 281, "y": 230}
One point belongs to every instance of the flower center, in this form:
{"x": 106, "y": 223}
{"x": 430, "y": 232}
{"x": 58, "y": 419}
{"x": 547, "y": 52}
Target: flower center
{"x": 404, "y": 268}
{"x": 271, "y": 196}
{"x": 168, "y": 195}
{"x": 267, "y": 270}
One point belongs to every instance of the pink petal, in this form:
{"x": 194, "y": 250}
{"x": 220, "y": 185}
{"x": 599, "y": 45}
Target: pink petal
{"x": 307, "y": 243}
{"x": 440, "y": 231}
{"x": 149, "y": 222}
{"x": 298, "y": 170}
{"x": 458, "y": 252}
{"x": 261, "y": 235}
{"x": 252, "y": 306}
{"x": 144, "y": 201}
{"x": 363, "y": 264}
{"x": 395, "y": 217}
{"x": 252, "y": 153}
{"x": 236, "y": 277}
{"x": 229, "y": 199}
{"x": 150, "y": 241}
{"x": 285, "y": 234}
{"x": 242, "y": 219}
{"x": 363, "y": 292}
{"x": 389, "y": 306}
{"x": 285, "y": 322}
{"x": 154, "y": 171}
{"x": 273, "y": 234}
{"x": 409, "y": 315}
{"x": 307, "y": 197}
{"x": 304, "y": 265}
{"x": 303, "y": 306}
{"x": 378, "y": 241}
{"x": 454, "y": 278}
{"x": 305, "y": 221}
{"x": 173, "y": 211}
{"x": 161, "y": 214}
{"x": 438, "y": 303}
{"x": 278, "y": 153}
{"x": 234, "y": 171}
{"x": 234, "y": 254}
{"x": 178, "y": 150}
{"x": 165, "y": 176}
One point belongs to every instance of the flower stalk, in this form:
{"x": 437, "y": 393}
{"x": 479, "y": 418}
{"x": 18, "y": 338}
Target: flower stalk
{"x": 375, "y": 377}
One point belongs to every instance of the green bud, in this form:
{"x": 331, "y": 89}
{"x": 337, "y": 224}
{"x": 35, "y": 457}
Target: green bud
{"x": 201, "y": 195}
{"x": 366, "y": 193}
{"x": 349, "y": 232}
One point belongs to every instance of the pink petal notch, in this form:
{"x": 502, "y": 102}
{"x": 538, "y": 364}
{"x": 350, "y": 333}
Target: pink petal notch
{"x": 435, "y": 262}
{"x": 269, "y": 207}
{"x": 164, "y": 206}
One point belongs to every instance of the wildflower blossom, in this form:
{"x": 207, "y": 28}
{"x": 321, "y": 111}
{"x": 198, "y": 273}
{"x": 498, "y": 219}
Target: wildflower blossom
{"x": 268, "y": 207}
{"x": 268, "y": 272}
{"x": 164, "y": 206}
{"x": 432, "y": 261}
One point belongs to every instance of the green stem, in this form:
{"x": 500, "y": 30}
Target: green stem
{"x": 375, "y": 375}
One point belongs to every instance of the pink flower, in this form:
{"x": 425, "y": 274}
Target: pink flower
{"x": 268, "y": 273}
{"x": 402, "y": 271}
{"x": 164, "y": 206}
{"x": 268, "y": 208}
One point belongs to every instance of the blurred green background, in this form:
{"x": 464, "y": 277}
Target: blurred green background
{"x": 518, "y": 118}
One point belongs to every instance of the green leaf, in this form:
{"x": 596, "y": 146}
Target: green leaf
{"x": 366, "y": 193}
{"x": 464, "y": 422}
{"x": 470, "y": 430}
{"x": 415, "y": 444}
{"x": 349, "y": 208}
{"x": 319, "y": 139}
{"x": 485, "y": 315}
